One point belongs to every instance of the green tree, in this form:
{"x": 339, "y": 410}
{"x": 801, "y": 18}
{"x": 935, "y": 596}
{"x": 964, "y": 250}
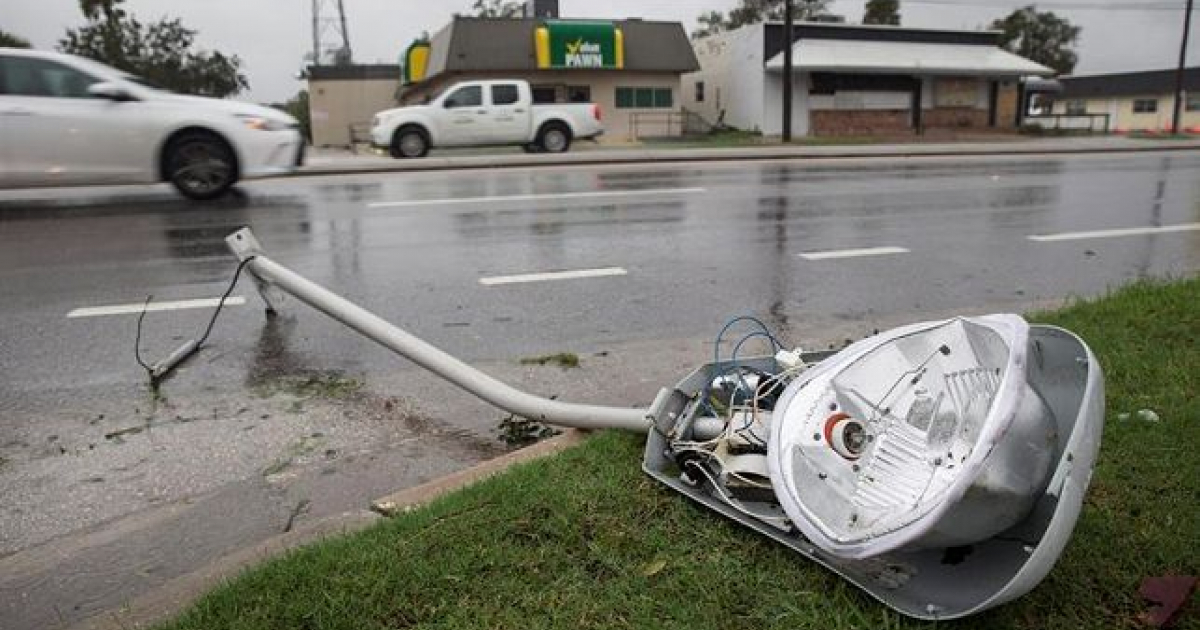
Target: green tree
{"x": 498, "y": 9}
{"x": 8, "y": 40}
{"x": 1041, "y": 36}
{"x": 756, "y": 11}
{"x": 161, "y": 52}
{"x": 297, "y": 106}
{"x": 882, "y": 12}
{"x": 711, "y": 23}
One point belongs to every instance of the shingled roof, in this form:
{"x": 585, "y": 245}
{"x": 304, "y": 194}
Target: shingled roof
{"x": 488, "y": 44}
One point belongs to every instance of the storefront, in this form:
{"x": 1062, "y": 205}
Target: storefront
{"x": 631, "y": 68}
{"x": 858, "y": 80}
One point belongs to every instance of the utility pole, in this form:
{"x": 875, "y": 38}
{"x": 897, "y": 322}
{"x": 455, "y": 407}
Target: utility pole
{"x": 787, "y": 70}
{"x": 323, "y": 23}
{"x": 349, "y": 55}
{"x": 1187, "y": 27}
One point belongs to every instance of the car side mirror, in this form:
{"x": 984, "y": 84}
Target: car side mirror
{"x": 450, "y": 104}
{"x": 110, "y": 91}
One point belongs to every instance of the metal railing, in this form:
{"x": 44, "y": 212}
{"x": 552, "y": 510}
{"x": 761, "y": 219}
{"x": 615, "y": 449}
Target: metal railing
{"x": 667, "y": 123}
{"x": 1072, "y": 122}
{"x": 360, "y": 133}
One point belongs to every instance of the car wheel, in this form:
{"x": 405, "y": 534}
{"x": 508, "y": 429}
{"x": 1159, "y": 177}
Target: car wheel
{"x": 410, "y": 142}
{"x": 554, "y": 138}
{"x": 201, "y": 166}
{"x": 531, "y": 148}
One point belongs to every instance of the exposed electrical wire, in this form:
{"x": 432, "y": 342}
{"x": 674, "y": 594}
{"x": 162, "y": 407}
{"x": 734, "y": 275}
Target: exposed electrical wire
{"x": 220, "y": 305}
{"x": 159, "y": 371}
{"x": 137, "y": 342}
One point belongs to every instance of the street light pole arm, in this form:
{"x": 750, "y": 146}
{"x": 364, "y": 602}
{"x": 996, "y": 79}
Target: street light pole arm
{"x": 245, "y": 245}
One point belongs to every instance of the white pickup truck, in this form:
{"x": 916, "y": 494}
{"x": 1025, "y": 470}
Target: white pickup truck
{"x": 484, "y": 113}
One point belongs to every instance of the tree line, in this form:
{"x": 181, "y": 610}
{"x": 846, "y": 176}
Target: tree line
{"x": 1041, "y": 36}
{"x": 163, "y": 52}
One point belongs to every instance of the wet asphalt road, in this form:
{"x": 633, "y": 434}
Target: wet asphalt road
{"x": 685, "y": 247}
{"x": 700, "y": 244}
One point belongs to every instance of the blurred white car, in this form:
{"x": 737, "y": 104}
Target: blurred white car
{"x": 66, "y": 120}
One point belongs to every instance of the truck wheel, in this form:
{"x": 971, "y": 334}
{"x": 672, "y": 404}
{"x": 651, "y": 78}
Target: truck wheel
{"x": 410, "y": 142}
{"x": 200, "y": 165}
{"x": 554, "y": 138}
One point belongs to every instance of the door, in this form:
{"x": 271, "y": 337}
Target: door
{"x": 465, "y": 117}
{"x": 509, "y": 118}
{"x": 57, "y": 133}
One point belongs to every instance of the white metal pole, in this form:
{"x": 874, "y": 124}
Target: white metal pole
{"x": 244, "y": 244}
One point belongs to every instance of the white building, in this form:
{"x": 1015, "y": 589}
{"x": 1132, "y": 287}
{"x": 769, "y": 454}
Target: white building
{"x": 858, "y": 80}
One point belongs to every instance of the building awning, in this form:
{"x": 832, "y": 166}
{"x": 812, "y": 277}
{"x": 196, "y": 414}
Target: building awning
{"x": 833, "y": 55}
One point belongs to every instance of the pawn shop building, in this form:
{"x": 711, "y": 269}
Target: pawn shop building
{"x": 631, "y": 68}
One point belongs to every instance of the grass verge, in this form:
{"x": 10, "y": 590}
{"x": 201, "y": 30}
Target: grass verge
{"x": 583, "y": 540}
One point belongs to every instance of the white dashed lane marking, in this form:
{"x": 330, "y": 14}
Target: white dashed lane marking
{"x": 1141, "y": 231}
{"x": 835, "y": 254}
{"x": 134, "y": 309}
{"x": 554, "y": 275}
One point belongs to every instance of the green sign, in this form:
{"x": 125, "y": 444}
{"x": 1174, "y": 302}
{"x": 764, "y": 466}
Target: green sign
{"x": 578, "y": 44}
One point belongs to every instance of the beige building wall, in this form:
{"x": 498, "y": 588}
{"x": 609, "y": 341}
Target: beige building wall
{"x": 618, "y": 123}
{"x": 336, "y": 104}
{"x": 1123, "y": 118}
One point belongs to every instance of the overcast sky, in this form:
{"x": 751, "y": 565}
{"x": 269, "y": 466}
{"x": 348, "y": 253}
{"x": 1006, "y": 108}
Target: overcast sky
{"x": 272, "y": 36}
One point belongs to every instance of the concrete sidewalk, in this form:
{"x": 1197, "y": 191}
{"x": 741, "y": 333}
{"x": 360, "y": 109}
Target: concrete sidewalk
{"x": 333, "y": 162}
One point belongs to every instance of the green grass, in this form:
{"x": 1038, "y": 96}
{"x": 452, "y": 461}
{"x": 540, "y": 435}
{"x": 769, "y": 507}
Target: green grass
{"x": 584, "y": 540}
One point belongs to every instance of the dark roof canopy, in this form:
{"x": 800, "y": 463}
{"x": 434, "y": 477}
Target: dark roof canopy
{"x": 487, "y": 44}
{"x": 1128, "y": 83}
{"x": 775, "y": 35}
{"x": 354, "y": 73}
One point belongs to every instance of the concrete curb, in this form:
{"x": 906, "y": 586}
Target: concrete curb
{"x": 677, "y": 156}
{"x": 175, "y": 595}
{"x": 413, "y": 498}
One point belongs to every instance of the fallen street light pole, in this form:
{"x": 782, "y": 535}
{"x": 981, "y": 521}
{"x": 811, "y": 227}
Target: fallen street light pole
{"x": 272, "y": 274}
{"x": 940, "y": 467}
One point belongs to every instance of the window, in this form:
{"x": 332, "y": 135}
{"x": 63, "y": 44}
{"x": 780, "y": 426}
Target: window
{"x": 469, "y": 96}
{"x": 699, "y": 91}
{"x": 544, "y": 94}
{"x": 579, "y": 93}
{"x": 644, "y": 98}
{"x": 505, "y": 94}
{"x": 1076, "y": 107}
{"x": 24, "y": 76}
{"x": 663, "y": 98}
{"x": 1145, "y": 105}
{"x": 1192, "y": 104}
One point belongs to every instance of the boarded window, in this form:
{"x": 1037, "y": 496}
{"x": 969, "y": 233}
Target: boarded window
{"x": 954, "y": 92}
